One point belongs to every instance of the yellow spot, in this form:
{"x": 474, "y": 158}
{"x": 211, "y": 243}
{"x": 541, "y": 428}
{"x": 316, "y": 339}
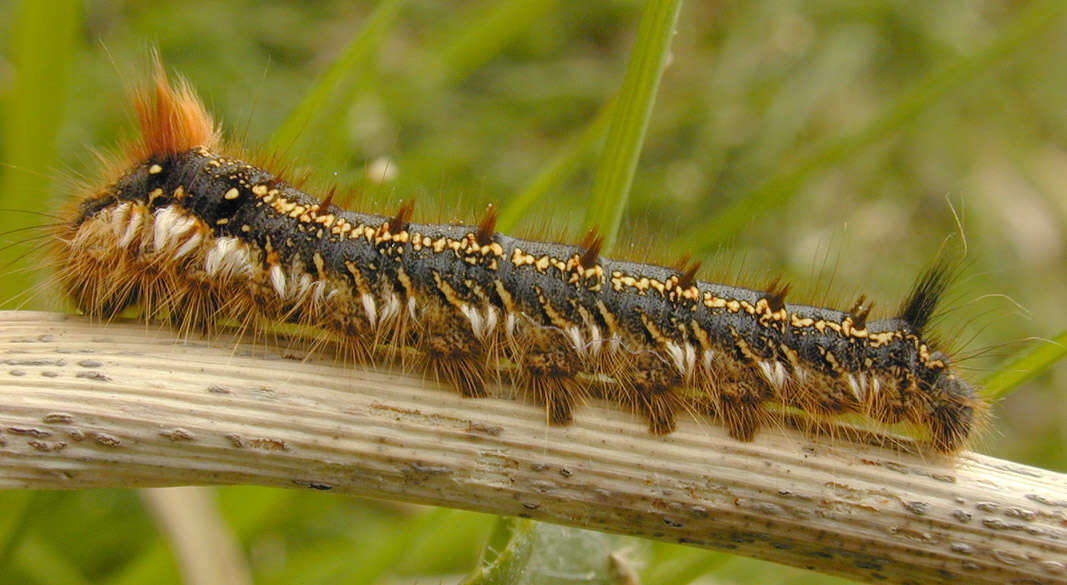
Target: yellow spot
{"x": 701, "y": 334}
{"x": 357, "y": 276}
{"x": 654, "y": 331}
{"x": 713, "y": 302}
{"x": 260, "y": 190}
{"x": 405, "y": 281}
{"x": 742, "y": 346}
{"x": 832, "y": 360}
{"x": 505, "y": 296}
{"x": 609, "y": 317}
{"x": 155, "y": 170}
{"x": 320, "y": 265}
{"x": 232, "y": 194}
{"x": 554, "y": 316}
{"x": 448, "y": 292}
{"x": 519, "y": 258}
{"x": 222, "y": 221}
{"x": 791, "y": 355}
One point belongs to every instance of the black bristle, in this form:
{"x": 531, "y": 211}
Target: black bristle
{"x": 860, "y": 311}
{"x": 689, "y": 275}
{"x": 592, "y": 243}
{"x": 487, "y": 226}
{"x": 927, "y": 292}
{"x": 775, "y": 294}
{"x": 400, "y": 221}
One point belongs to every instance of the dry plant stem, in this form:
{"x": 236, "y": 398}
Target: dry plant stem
{"x": 204, "y": 546}
{"x": 87, "y": 405}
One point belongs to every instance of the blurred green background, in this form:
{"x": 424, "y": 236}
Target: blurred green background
{"x": 826, "y": 141}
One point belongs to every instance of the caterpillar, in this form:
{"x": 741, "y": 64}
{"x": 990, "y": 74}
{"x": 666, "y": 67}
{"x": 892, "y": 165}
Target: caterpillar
{"x": 190, "y": 232}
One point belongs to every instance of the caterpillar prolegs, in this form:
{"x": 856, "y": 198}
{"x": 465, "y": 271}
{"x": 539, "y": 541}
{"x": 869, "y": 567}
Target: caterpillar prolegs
{"x": 194, "y": 234}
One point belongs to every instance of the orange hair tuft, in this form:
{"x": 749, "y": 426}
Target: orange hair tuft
{"x": 172, "y": 119}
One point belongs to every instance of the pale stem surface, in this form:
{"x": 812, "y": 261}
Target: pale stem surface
{"x": 128, "y": 405}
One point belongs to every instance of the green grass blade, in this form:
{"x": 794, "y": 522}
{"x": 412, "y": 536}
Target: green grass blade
{"x": 42, "y": 44}
{"x": 15, "y": 519}
{"x": 611, "y": 188}
{"x": 46, "y": 564}
{"x": 1025, "y": 366}
{"x": 351, "y": 61}
{"x": 1033, "y": 19}
{"x": 481, "y": 38}
{"x": 247, "y": 510}
{"x": 566, "y": 162}
{"x": 402, "y": 543}
{"x": 685, "y": 566}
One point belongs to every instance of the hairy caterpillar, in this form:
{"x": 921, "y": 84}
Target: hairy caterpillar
{"x": 194, "y": 235}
